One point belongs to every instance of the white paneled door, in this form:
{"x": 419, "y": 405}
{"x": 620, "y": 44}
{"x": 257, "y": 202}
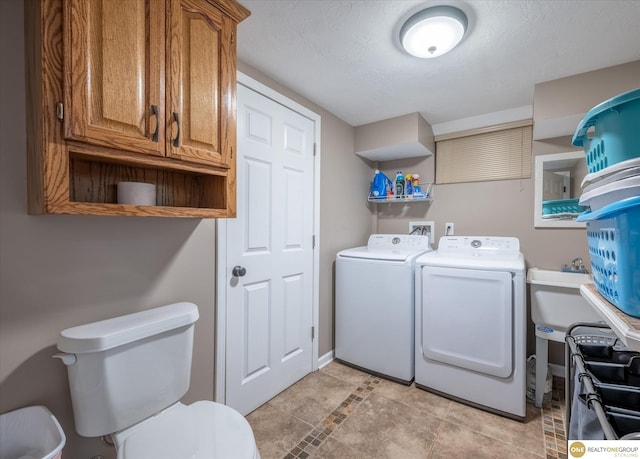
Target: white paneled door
{"x": 270, "y": 254}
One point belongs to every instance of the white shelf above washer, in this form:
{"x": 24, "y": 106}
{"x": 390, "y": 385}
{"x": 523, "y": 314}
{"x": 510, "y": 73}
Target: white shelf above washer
{"x": 428, "y": 196}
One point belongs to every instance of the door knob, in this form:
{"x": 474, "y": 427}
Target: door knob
{"x": 238, "y": 271}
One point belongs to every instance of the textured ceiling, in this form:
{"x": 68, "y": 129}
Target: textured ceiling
{"x": 344, "y": 55}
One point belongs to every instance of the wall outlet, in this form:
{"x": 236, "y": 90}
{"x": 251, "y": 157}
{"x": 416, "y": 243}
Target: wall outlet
{"x": 448, "y": 229}
{"x": 424, "y": 229}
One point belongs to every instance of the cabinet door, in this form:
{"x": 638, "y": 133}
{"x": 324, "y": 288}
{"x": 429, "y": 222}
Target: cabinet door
{"x": 201, "y": 83}
{"x": 114, "y": 73}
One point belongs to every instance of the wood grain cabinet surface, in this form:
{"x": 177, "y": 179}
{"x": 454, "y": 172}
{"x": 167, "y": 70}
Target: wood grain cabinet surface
{"x": 132, "y": 90}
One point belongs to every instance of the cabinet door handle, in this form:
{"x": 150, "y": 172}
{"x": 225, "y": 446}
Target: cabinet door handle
{"x": 176, "y": 141}
{"x": 154, "y": 110}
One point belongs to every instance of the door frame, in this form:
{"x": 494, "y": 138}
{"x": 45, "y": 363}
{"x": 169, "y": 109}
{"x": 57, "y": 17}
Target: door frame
{"x": 222, "y": 277}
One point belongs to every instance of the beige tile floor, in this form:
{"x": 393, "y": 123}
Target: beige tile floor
{"x": 340, "y": 412}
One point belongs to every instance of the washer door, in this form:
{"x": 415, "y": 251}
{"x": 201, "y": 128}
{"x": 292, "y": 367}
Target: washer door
{"x": 467, "y": 319}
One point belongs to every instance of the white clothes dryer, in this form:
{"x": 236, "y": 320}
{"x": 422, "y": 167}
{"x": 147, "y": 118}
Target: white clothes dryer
{"x": 375, "y": 305}
{"x": 471, "y": 323}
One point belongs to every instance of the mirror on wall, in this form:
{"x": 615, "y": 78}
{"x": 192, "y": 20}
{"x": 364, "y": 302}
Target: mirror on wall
{"x": 557, "y": 189}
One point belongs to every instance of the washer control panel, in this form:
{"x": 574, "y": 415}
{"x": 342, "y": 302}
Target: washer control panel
{"x": 398, "y": 241}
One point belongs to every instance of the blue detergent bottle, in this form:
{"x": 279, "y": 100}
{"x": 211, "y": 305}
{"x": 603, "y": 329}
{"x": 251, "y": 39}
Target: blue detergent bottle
{"x": 400, "y": 185}
{"x": 379, "y": 185}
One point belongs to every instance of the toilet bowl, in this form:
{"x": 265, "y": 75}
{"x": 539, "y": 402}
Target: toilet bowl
{"x": 126, "y": 378}
{"x": 202, "y": 430}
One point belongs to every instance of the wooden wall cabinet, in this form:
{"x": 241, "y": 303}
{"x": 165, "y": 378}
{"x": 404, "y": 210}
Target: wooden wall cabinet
{"x": 135, "y": 90}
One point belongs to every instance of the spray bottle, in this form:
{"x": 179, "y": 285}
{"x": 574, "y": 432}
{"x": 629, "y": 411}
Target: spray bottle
{"x": 408, "y": 186}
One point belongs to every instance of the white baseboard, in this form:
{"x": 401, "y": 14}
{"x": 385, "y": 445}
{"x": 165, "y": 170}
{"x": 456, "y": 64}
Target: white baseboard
{"x": 325, "y": 359}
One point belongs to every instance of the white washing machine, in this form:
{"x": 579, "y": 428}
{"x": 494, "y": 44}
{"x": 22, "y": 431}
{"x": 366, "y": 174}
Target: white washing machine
{"x": 471, "y": 323}
{"x": 374, "y": 316}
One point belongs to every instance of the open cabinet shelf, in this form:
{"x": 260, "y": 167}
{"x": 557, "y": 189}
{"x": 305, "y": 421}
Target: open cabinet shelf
{"x": 94, "y": 184}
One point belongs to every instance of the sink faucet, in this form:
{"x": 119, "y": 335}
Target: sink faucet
{"x": 577, "y": 265}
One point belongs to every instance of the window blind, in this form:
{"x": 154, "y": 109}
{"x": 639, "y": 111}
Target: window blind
{"x": 501, "y": 154}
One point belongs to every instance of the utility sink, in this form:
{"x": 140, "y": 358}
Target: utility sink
{"x": 556, "y": 302}
{"x": 566, "y": 279}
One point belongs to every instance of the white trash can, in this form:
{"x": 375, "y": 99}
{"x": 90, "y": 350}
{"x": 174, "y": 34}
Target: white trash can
{"x": 30, "y": 433}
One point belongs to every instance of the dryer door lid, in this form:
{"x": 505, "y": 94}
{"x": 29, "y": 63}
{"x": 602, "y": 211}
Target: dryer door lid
{"x": 467, "y": 319}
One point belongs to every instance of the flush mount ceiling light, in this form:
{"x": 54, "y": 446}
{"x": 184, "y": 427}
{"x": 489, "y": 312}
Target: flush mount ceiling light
{"x": 433, "y": 31}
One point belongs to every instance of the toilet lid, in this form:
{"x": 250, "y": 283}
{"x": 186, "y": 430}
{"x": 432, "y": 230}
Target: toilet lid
{"x": 202, "y": 430}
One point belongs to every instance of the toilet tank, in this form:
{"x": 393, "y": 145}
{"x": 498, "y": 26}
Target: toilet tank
{"x": 125, "y": 369}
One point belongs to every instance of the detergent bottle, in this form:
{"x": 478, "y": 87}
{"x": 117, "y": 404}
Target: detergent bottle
{"x": 400, "y": 185}
{"x": 379, "y": 185}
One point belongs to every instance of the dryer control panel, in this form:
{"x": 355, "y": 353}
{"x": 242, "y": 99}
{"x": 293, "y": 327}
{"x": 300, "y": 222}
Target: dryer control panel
{"x": 488, "y": 243}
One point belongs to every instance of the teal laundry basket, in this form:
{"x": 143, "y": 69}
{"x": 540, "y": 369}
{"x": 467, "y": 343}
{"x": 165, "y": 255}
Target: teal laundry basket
{"x": 613, "y": 234}
{"x": 561, "y": 206}
{"x": 610, "y": 132}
